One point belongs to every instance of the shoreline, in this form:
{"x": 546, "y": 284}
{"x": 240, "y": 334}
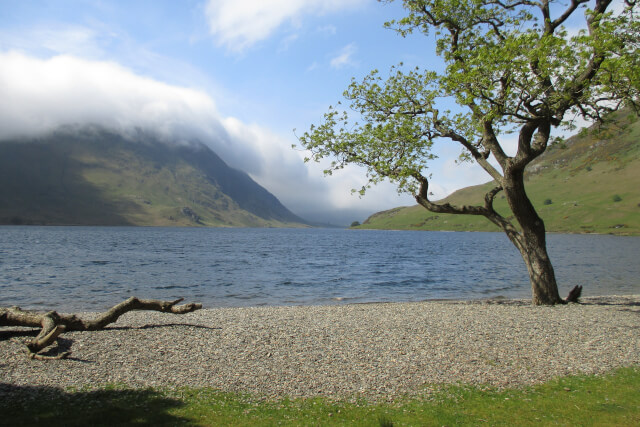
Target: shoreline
{"x": 327, "y": 226}
{"x": 371, "y": 350}
{"x": 575, "y": 232}
{"x": 335, "y": 302}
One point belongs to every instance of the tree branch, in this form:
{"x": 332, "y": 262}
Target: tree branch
{"x": 423, "y": 199}
{"x": 481, "y": 158}
{"x": 487, "y": 210}
{"x": 567, "y": 13}
{"x": 524, "y": 155}
{"x": 488, "y": 198}
{"x": 593, "y": 66}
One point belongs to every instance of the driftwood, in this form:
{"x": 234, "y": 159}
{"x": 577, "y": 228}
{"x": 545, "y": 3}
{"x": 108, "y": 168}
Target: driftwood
{"x": 53, "y": 324}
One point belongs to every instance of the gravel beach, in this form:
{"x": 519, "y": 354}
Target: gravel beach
{"x": 377, "y": 351}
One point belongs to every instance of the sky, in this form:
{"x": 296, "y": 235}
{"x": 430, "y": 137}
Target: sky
{"x": 239, "y": 75}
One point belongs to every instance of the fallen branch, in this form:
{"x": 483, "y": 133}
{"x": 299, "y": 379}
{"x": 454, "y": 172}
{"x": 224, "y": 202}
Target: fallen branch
{"x": 53, "y": 324}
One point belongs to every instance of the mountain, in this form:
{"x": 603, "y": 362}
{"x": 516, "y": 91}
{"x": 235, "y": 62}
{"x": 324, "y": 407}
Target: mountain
{"x": 91, "y": 176}
{"x": 588, "y": 184}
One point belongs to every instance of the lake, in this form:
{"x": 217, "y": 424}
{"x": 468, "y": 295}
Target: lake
{"x": 93, "y": 268}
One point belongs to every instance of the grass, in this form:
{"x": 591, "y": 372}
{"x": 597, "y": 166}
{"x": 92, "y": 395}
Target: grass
{"x": 612, "y": 399}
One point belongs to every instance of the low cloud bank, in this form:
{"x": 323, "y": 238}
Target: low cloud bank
{"x": 39, "y": 95}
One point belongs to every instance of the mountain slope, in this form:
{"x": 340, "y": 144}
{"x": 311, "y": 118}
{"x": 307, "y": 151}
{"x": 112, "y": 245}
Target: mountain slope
{"x": 589, "y": 184}
{"x": 91, "y": 176}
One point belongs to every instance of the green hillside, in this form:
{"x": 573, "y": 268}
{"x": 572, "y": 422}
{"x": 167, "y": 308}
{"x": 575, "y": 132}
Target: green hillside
{"x": 589, "y": 184}
{"x": 90, "y": 176}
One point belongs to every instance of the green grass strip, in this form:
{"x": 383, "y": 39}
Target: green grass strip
{"x": 612, "y": 399}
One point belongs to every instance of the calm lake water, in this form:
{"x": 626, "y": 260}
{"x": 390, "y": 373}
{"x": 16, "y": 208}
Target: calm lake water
{"x": 92, "y": 268}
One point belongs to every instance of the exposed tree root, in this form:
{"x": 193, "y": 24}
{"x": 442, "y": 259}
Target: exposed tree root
{"x": 574, "y": 294}
{"x": 53, "y": 324}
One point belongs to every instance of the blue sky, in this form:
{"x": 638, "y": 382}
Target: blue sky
{"x": 238, "y": 74}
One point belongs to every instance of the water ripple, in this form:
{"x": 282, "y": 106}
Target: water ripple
{"x": 80, "y": 268}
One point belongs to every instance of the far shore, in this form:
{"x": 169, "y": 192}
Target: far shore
{"x": 614, "y": 232}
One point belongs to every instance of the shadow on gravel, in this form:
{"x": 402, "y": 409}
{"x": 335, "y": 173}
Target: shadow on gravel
{"x": 8, "y": 333}
{"x": 11, "y": 333}
{"x": 63, "y": 345}
{"x": 165, "y": 325}
{"x": 619, "y": 301}
{"x": 52, "y": 406}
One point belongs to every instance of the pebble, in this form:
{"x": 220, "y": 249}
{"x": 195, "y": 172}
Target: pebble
{"x": 374, "y": 351}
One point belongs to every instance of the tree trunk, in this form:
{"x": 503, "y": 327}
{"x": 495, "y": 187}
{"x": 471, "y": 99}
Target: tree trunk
{"x": 531, "y": 242}
{"x": 541, "y": 275}
{"x": 53, "y": 324}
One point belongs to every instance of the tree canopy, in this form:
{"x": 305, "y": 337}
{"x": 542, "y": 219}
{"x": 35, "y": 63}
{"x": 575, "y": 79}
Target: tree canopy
{"x": 512, "y": 66}
{"x": 506, "y": 67}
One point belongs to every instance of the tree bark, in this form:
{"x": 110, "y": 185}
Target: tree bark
{"x": 53, "y": 324}
{"x": 531, "y": 242}
{"x": 544, "y": 287}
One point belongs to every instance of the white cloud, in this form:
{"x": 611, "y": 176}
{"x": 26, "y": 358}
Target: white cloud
{"x": 239, "y": 24}
{"x": 345, "y": 57}
{"x": 69, "y": 39}
{"x": 287, "y": 42}
{"x": 39, "y": 95}
{"x": 302, "y": 187}
{"x": 101, "y": 42}
{"x": 327, "y": 30}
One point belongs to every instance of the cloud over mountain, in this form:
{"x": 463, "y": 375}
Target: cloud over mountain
{"x": 39, "y": 95}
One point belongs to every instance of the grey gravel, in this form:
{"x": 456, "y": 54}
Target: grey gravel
{"x": 377, "y": 351}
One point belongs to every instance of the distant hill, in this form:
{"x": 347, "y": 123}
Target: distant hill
{"x": 589, "y": 184}
{"x": 92, "y": 176}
